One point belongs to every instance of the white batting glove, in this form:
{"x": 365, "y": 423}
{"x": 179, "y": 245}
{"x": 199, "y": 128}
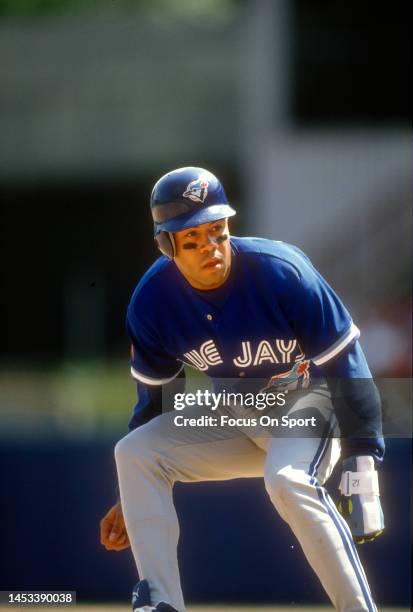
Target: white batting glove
{"x": 360, "y": 498}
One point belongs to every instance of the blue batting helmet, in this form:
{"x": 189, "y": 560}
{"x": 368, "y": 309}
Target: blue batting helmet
{"x": 185, "y": 198}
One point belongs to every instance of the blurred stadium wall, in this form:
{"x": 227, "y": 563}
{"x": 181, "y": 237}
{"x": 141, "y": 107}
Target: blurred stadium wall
{"x": 302, "y": 110}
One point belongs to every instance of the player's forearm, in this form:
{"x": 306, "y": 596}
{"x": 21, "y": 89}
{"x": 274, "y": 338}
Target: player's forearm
{"x": 357, "y": 404}
{"x": 358, "y": 409}
{"x": 149, "y": 405}
{"x": 150, "y": 400}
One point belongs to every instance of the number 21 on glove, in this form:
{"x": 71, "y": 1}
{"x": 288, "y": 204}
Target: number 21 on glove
{"x": 359, "y": 502}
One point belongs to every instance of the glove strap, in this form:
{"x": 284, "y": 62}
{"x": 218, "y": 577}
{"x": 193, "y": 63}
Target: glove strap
{"x": 359, "y": 483}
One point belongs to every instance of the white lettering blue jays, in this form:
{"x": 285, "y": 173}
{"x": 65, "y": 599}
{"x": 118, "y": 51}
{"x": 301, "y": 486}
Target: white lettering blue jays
{"x": 278, "y": 351}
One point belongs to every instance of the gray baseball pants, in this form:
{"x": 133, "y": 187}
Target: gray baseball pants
{"x": 153, "y": 457}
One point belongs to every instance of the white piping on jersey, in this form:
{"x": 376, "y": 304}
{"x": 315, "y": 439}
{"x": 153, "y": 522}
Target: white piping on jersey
{"x": 153, "y": 381}
{"x": 352, "y": 333}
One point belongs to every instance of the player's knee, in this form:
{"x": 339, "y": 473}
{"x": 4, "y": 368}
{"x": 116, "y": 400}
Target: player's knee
{"x": 132, "y": 447}
{"x": 122, "y": 450}
{"x": 282, "y": 485}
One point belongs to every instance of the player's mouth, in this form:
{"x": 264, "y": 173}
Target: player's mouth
{"x": 213, "y": 262}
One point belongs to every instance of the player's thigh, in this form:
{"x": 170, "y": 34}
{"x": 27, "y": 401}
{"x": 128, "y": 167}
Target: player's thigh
{"x": 308, "y": 440}
{"x": 313, "y": 456}
{"x": 195, "y": 449}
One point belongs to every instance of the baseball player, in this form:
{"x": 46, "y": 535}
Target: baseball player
{"x": 243, "y": 310}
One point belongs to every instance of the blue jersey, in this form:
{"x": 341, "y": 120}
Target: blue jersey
{"x": 274, "y": 311}
{"x": 274, "y": 314}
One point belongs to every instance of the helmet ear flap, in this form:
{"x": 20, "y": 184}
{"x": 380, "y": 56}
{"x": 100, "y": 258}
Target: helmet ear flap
{"x": 166, "y": 243}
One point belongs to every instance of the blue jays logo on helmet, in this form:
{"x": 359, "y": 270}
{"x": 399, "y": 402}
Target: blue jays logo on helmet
{"x": 197, "y": 190}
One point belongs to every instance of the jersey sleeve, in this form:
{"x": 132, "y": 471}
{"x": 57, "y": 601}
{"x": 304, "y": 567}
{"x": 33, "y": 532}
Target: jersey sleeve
{"x": 150, "y": 363}
{"x": 321, "y": 322}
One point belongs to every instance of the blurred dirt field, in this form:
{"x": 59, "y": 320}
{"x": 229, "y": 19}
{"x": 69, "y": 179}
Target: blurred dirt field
{"x": 212, "y": 608}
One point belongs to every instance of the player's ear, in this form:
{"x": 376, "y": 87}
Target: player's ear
{"x": 173, "y": 243}
{"x": 166, "y": 244}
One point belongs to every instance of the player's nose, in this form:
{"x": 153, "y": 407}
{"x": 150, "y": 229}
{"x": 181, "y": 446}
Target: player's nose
{"x": 209, "y": 244}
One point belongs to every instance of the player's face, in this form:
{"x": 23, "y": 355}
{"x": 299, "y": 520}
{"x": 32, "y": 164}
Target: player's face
{"x": 203, "y": 254}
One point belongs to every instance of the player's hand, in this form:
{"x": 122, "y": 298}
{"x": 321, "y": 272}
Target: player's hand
{"x": 360, "y": 502}
{"x": 113, "y": 535}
